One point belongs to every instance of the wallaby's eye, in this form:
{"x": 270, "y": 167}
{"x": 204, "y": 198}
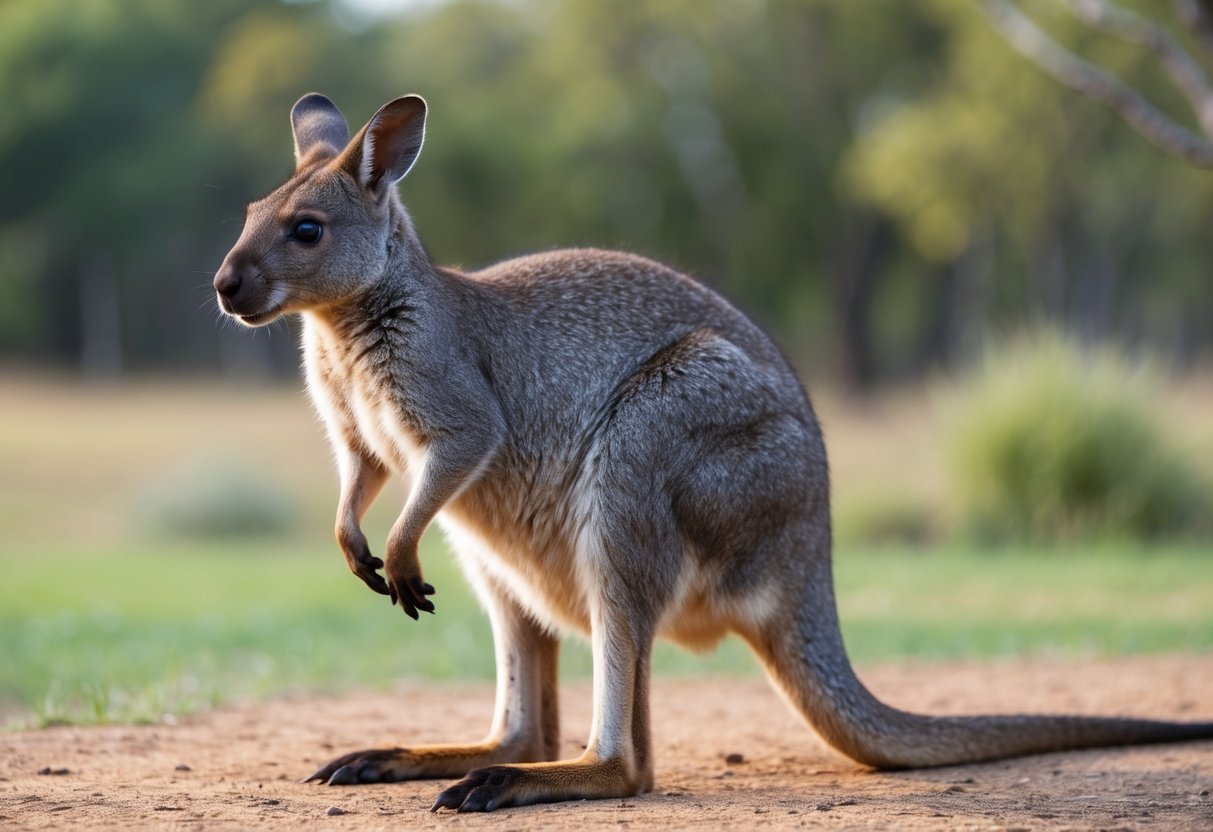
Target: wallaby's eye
{"x": 307, "y": 231}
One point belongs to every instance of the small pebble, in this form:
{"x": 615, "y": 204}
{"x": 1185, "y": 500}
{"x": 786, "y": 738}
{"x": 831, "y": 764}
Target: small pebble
{"x": 54, "y": 771}
{"x": 183, "y": 767}
{"x": 334, "y": 811}
{"x": 734, "y": 758}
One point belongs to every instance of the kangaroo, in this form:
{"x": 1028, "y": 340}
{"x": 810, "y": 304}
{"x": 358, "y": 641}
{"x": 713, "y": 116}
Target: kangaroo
{"x": 613, "y": 450}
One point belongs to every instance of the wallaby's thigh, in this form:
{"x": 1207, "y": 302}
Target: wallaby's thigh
{"x": 724, "y": 447}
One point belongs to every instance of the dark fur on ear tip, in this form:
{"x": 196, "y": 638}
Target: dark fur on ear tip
{"x": 316, "y": 120}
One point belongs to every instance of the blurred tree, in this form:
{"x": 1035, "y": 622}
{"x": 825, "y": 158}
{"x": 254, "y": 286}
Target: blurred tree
{"x": 101, "y": 174}
{"x": 1026, "y": 204}
{"x": 876, "y": 181}
{"x": 1087, "y": 78}
{"x": 705, "y": 132}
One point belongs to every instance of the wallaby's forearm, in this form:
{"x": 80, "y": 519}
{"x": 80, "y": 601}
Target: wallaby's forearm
{"x": 362, "y": 478}
{"x": 451, "y": 463}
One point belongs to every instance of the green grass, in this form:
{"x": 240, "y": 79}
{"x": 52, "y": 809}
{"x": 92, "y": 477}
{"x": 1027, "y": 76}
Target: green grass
{"x": 154, "y": 631}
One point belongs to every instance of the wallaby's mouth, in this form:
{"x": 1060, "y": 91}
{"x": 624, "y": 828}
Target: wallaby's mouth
{"x": 259, "y": 318}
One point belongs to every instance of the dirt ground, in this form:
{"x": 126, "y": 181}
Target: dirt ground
{"x": 239, "y": 768}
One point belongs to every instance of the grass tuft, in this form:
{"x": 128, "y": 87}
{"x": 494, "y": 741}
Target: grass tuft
{"x": 213, "y": 498}
{"x": 1048, "y": 442}
{"x": 885, "y": 518}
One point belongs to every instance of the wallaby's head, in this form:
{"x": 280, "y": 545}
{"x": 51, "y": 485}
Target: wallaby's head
{"x": 324, "y": 235}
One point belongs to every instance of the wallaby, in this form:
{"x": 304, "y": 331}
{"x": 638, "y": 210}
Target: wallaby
{"x": 613, "y": 450}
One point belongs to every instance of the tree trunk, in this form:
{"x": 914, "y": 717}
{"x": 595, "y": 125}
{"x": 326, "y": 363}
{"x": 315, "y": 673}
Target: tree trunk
{"x": 100, "y": 318}
{"x": 857, "y": 263}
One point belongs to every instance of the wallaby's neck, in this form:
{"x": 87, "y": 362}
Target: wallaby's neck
{"x": 406, "y": 254}
{"x": 410, "y": 288}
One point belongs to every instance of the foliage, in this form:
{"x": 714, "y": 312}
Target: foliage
{"x": 1051, "y": 442}
{"x": 878, "y": 178}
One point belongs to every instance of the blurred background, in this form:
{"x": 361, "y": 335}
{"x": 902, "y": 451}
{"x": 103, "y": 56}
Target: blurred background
{"x": 999, "y": 293}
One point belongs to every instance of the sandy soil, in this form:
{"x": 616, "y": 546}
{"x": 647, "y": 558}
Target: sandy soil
{"x": 238, "y": 768}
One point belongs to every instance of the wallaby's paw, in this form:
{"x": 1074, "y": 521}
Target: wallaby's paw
{"x": 486, "y": 789}
{"x": 374, "y": 765}
{"x": 365, "y": 570}
{"x": 364, "y": 565}
{"x": 411, "y": 592}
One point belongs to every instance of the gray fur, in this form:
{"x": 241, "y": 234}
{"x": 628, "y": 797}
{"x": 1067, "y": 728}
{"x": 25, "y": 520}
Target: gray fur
{"x": 615, "y": 449}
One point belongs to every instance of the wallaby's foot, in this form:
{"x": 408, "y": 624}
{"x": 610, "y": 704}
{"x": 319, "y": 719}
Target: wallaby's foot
{"x": 373, "y": 765}
{"x": 391, "y": 765}
{"x": 497, "y": 787}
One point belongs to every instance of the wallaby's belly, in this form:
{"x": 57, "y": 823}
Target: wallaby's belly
{"x": 542, "y": 553}
{"x": 548, "y": 584}
{"x": 528, "y": 539}
{"x": 545, "y": 583}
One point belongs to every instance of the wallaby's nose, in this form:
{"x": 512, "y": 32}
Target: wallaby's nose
{"x": 227, "y": 281}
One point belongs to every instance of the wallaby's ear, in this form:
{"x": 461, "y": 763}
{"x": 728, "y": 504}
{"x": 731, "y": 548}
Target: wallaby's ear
{"x": 315, "y": 121}
{"x": 389, "y": 144}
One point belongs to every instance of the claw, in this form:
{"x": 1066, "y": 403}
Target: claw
{"x": 451, "y": 798}
{"x": 480, "y": 791}
{"x": 411, "y": 595}
{"x": 320, "y": 775}
{"x": 345, "y": 776}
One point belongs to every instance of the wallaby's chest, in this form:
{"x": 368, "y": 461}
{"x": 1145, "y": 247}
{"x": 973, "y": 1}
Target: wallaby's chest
{"x": 361, "y": 409}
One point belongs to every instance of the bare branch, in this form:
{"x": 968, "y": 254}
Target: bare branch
{"x": 1197, "y": 15}
{"x": 1129, "y": 26}
{"x": 1089, "y": 80}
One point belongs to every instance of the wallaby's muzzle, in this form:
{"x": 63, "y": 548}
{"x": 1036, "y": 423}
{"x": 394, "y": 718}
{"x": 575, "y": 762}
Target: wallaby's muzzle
{"x": 243, "y": 293}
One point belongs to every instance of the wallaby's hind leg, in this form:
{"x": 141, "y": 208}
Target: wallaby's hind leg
{"x": 617, "y": 761}
{"x": 629, "y": 566}
{"x": 526, "y": 720}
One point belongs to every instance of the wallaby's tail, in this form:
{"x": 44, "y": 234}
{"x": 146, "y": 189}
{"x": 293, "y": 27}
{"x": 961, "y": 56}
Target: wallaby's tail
{"x": 809, "y": 664}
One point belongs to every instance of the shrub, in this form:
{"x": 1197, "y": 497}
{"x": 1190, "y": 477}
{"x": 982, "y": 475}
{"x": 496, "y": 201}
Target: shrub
{"x": 214, "y": 498}
{"x": 885, "y": 519}
{"x": 1047, "y": 441}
